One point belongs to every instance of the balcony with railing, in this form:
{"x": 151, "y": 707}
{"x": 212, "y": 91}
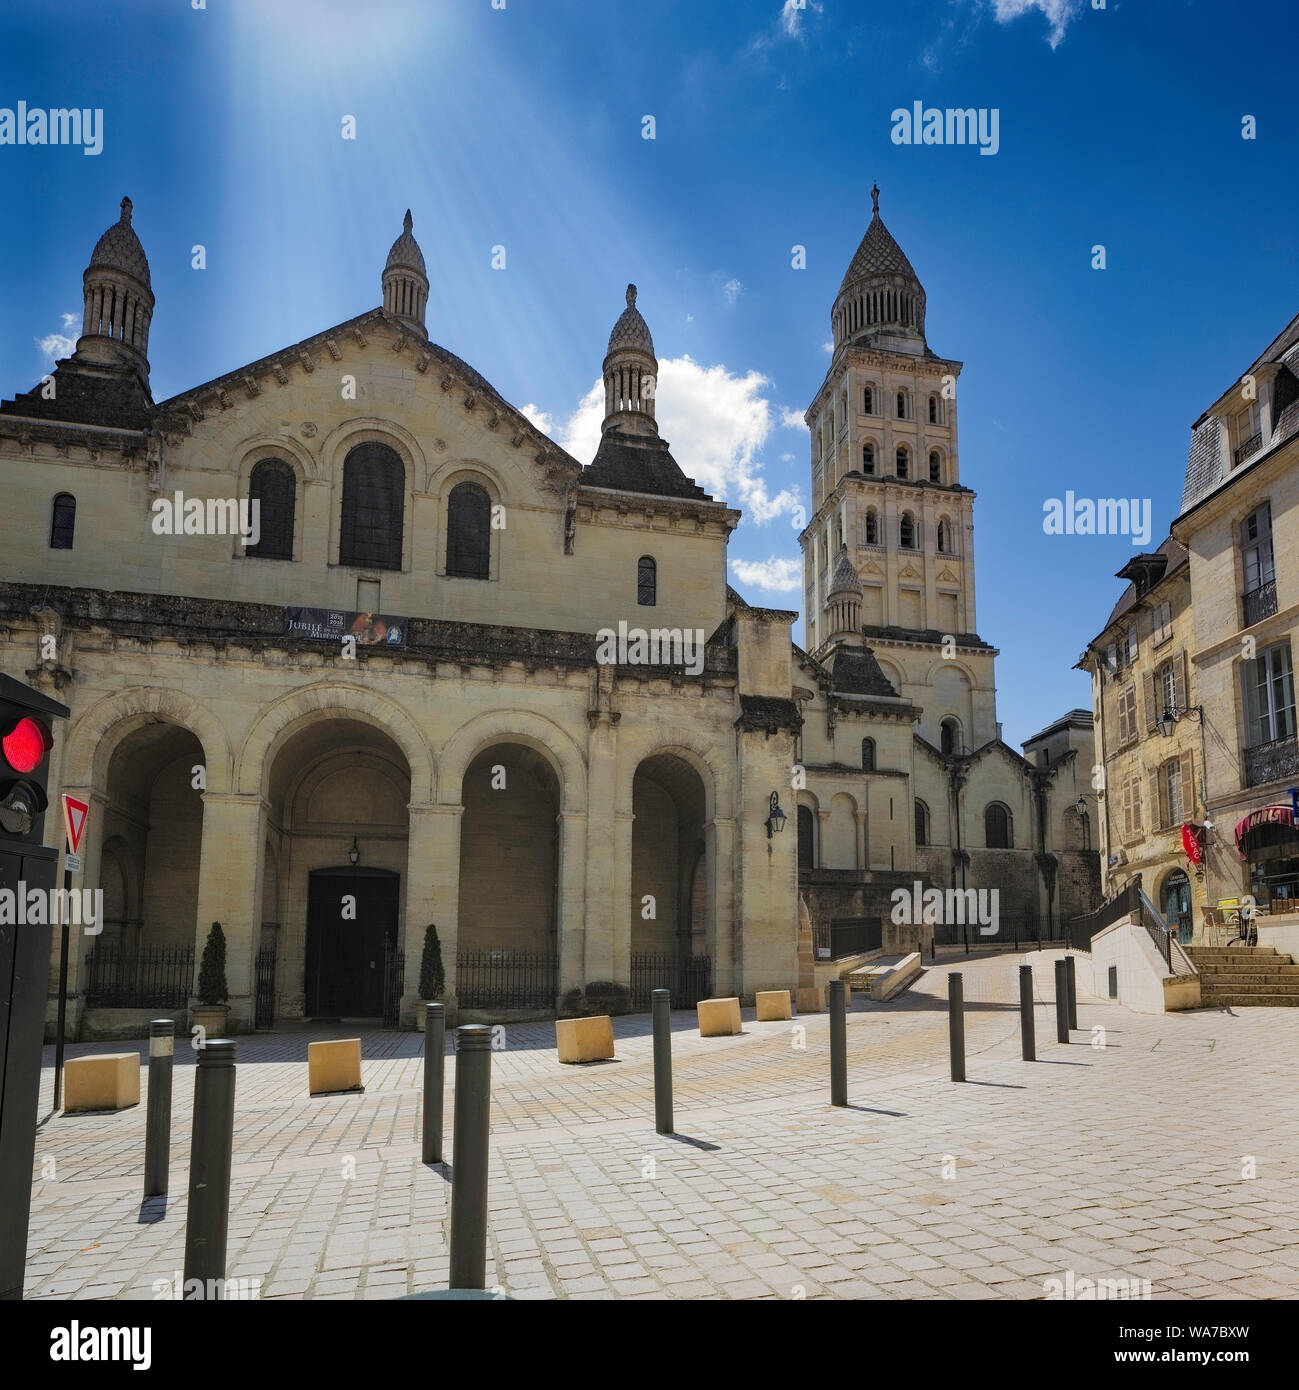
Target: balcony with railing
{"x": 1259, "y": 603}
{"x": 1277, "y": 761}
{"x": 1249, "y": 447}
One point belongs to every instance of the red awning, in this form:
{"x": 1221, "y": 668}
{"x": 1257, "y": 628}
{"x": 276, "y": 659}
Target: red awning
{"x": 1266, "y": 815}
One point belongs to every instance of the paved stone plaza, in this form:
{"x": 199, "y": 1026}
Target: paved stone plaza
{"x": 1121, "y": 1161}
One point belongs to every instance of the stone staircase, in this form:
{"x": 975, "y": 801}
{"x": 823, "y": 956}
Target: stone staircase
{"x": 1245, "y": 976}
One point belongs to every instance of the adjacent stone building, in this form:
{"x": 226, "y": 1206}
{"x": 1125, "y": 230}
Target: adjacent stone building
{"x": 1193, "y": 675}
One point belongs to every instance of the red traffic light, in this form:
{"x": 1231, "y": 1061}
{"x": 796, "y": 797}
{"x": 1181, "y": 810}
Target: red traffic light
{"x": 26, "y": 744}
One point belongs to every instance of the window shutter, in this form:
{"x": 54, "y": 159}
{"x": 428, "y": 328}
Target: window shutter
{"x": 1188, "y": 787}
{"x": 1152, "y": 701}
{"x": 1132, "y": 645}
{"x": 1136, "y": 806}
{"x": 1158, "y": 799}
{"x": 1179, "y": 679}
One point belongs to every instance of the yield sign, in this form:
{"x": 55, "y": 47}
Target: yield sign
{"x": 74, "y": 818}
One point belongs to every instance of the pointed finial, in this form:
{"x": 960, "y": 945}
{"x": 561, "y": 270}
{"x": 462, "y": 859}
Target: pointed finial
{"x": 631, "y": 296}
{"x": 875, "y": 200}
{"x": 126, "y": 211}
{"x": 408, "y": 222}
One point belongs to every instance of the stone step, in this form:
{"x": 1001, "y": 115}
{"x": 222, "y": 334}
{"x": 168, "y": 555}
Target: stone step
{"x": 1229, "y": 953}
{"x": 1245, "y": 972}
{"x": 1247, "y": 987}
{"x": 1209, "y": 999}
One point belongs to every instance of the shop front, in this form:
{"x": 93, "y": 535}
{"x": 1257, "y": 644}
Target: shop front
{"x": 1268, "y": 841}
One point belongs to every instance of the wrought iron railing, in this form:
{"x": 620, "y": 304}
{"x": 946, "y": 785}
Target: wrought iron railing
{"x": 688, "y": 978}
{"x": 1125, "y": 903}
{"x": 1277, "y": 761}
{"x": 264, "y": 989}
{"x": 1009, "y": 929}
{"x": 394, "y": 981}
{"x": 1248, "y": 447}
{"x": 1259, "y": 603}
{"x": 139, "y": 977}
{"x": 506, "y": 979}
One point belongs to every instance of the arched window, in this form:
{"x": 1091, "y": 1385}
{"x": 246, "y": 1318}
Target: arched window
{"x": 868, "y": 755}
{"x": 272, "y": 488}
{"x": 933, "y": 410}
{"x": 949, "y": 736}
{"x": 469, "y": 532}
{"x": 935, "y": 466}
{"x": 902, "y": 405}
{"x": 868, "y": 458}
{"x": 907, "y": 532}
{"x": 872, "y": 527}
{"x": 922, "y": 825}
{"x": 806, "y": 842}
{"x": 374, "y": 486}
{"x": 944, "y": 537}
{"x": 868, "y": 401}
{"x": 647, "y": 582}
{"x": 997, "y": 828}
{"x": 902, "y": 462}
{"x": 63, "y": 521}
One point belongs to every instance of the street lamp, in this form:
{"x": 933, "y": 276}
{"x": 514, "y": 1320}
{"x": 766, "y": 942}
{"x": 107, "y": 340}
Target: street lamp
{"x": 776, "y": 818}
{"x": 1167, "y": 722}
{"x": 354, "y": 853}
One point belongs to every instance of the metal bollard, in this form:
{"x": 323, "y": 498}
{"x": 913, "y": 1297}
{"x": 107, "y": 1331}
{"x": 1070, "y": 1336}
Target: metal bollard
{"x": 469, "y": 1156}
{"x": 435, "y": 1046}
{"x": 1027, "y": 1034}
{"x": 661, "y": 1004}
{"x": 838, "y": 1043}
{"x": 1072, "y": 981}
{"x": 1061, "y": 1003}
{"x": 956, "y": 1023}
{"x": 211, "y": 1142}
{"x": 157, "y": 1125}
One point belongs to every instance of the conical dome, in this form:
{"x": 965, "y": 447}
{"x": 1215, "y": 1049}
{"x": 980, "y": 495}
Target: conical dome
{"x": 405, "y": 250}
{"x": 119, "y": 249}
{"x": 631, "y": 331}
{"x": 880, "y": 289}
{"x": 404, "y": 280}
{"x": 845, "y": 579}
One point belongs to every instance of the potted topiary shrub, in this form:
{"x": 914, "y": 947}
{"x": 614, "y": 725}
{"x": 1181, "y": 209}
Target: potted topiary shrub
{"x": 432, "y": 975}
{"x": 211, "y": 1012}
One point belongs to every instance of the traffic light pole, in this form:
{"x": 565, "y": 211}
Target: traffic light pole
{"x": 65, "y": 945}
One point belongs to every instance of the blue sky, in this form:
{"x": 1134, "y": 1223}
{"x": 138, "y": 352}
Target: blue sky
{"x": 522, "y": 127}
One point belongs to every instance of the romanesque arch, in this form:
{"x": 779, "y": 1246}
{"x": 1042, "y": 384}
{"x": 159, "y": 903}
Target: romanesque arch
{"x": 291, "y": 712}
{"x": 514, "y": 726}
{"x": 95, "y": 737}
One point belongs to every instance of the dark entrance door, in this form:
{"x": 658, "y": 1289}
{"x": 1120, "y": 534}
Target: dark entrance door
{"x": 351, "y": 918}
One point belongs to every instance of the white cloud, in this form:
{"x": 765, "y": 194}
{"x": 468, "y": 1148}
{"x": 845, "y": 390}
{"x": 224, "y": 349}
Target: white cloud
{"x": 717, "y": 423}
{"x": 791, "y": 16}
{"x": 776, "y": 575}
{"x": 828, "y": 345}
{"x": 732, "y": 290}
{"x": 1058, "y": 12}
{"x": 54, "y": 346}
{"x": 791, "y": 419}
{"x": 538, "y": 417}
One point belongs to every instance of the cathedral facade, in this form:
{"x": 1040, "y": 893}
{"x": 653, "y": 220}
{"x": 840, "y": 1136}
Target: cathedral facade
{"x": 336, "y": 630}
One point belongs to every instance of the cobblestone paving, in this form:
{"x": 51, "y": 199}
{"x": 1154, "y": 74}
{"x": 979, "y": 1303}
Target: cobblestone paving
{"x": 1126, "y": 1160}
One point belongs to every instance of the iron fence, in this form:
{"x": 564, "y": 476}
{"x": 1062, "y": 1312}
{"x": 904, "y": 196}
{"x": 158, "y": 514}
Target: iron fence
{"x": 1009, "y": 929}
{"x": 1260, "y": 603}
{"x": 687, "y": 978}
{"x": 264, "y": 990}
{"x": 394, "y": 982}
{"x": 847, "y": 936}
{"x": 139, "y": 977}
{"x": 506, "y": 979}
